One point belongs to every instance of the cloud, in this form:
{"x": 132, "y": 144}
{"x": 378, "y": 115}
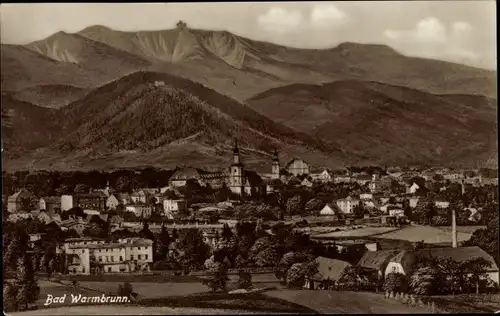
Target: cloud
{"x": 327, "y": 16}
{"x": 280, "y": 20}
{"x": 427, "y": 30}
{"x": 432, "y": 38}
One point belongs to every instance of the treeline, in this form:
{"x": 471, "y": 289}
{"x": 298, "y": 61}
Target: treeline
{"x": 49, "y": 183}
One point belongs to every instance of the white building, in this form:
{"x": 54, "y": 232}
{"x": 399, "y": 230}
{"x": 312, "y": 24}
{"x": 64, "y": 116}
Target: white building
{"x": 396, "y": 212}
{"x": 112, "y": 202}
{"x": 297, "y": 167}
{"x": 127, "y": 255}
{"x": 412, "y": 189}
{"x": 328, "y": 210}
{"x": 66, "y": 202}
{"x": 366, "y": 196}
{"x": 442, "y": 204}
{"x": 306, "y": 183}
{"x": 324, "y": 176}
{"x": 347, "y": 205}
{"x": 174, "y": 206}
{"x": 140, "y": 210}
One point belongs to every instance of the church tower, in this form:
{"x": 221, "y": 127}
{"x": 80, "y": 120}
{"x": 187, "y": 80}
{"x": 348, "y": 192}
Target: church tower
{"x": 276, "y": 166}
{"x": 236, "y": 172}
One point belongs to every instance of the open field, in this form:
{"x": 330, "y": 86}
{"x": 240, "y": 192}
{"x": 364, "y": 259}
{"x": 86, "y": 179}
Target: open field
{"x": 468, "y": 303}
{"x": 152, "y": 278}
{"x": 462, "y": 229}
{"x": 360, "y": 232}
{"x": 427, "y": 234}
{"x": 129, "y": 310}
{"x": 345, "y": 302}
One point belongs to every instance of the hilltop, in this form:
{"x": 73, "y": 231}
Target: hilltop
{"x": 230, "y": 64}
{"x": 386, "y": 123}
{"x": 135, "y": 122}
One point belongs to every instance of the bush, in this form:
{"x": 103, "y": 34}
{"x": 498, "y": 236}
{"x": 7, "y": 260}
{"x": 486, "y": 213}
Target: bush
{"x": 396, "y": 282}
{"x": 244, "y": 280}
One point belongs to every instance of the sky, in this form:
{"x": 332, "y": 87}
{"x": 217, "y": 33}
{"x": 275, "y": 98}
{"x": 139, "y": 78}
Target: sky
{"x": 456, "y": 31}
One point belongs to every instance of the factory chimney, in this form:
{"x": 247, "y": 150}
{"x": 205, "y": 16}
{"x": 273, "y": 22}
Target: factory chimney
{"x": 454, "y": 227}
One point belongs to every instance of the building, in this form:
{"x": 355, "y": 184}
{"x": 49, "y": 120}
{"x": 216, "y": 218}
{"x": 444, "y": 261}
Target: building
{"x": 51, "y": 204}
{"x": 124, "y": 198}
{"x": 376, "y": 262}
{"x": 174, "y": 205}
{"x": 347, "y": 205}
{"x": 329, "y": 210}
{"x": 96, "y": 256}
{"x": 94, "y": 200}
{"x": 412, "y": 189}
{"x": 112, "y": 202}
{"x": 460, "y": 255}
{"x": 323, "y": 177}
{"x": 413, "y": 201}
{"x": 275, "y": 168}
{"x": 138, "y": 197}
{"x": 20, "y": 201}
{"x": 306, "y": 183}
{"x": 402, "y": 263}
{"x": 441, "y": 204}
{"x": 365, "y": 196}
{"x": 397, "y": 212}
{"x": 140, "y": 210}
{"x": 329, "y": 272}
{"x": 76, "y": 224}
{"x": 66, "y": 202}
{"x": 242, "y": 181}
{"x": 297, "y": 167}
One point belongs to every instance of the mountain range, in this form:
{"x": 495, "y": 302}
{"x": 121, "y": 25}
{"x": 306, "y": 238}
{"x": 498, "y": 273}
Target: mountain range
{"x": 95, "y": 91}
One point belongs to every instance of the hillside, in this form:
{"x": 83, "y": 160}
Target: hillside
{"x": 232, "y": 65}
{"x": 375, "y": 120}
{"x": 134, "y": 122}
{"x": 26, "y": 126}
{"x": 51, "y": 96}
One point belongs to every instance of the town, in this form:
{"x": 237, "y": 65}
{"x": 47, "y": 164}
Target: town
{"x": 411, "y": 234}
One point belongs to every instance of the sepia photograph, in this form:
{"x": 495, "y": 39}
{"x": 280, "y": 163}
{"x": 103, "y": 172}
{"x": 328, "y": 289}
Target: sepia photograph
{"x": 330, "y": 157}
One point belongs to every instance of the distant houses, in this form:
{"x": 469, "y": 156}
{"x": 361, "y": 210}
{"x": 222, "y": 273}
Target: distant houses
{"x": 347, "y": 205}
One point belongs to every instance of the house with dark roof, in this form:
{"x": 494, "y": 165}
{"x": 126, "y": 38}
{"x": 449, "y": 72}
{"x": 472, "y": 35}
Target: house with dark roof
{"x": 402, "y": 263}
{"x": 461, "y": 254}
{"x": 329, "y": 271}
{"x": 297, "y": 167}
{"x": 376, "y": 261}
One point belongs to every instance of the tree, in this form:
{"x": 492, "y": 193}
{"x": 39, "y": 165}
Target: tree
{"x": 351, "y": 279}
{"x": 163, "y": 243}
{"x": 259, "y": 245}
{"x": 194, "y": 250}
{"x": 298, "y": 273}
{"x": 244, "y": 280}
{"x": 395, "y": 282}
{"x": 81, "y": 188}
{"x": 476, "y": 268}
{"x": 359, "y": 211}
{"x": 227, "y": 234}
{"x": 28, "y": 290}
{"x": 125, "y": 290}
{"x": 487, "y": 239}
{"x": 290, "y": 258}
{"x": 423, "y": 280}
{"x": 218, "y": 278}
{"x": 314, "y": 205}
{"x": 294, "y": 205}
{"x": 267, "y": 257}
{"x": 9, "y": 297}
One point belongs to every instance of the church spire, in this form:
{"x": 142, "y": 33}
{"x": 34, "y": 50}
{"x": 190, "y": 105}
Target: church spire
{"x": 236, "y": 150}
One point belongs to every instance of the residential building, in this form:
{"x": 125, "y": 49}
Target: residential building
{"x": 376, "y": 261}
{"x": 76, "y": 224}
{"x": 127, "y": 255}
{"x": 397, "y": 212}
{"x": 328, "y": 209}
{"x": 324, "y": 176}
{"x": 460, "y": 255}
{"x": 297, "y": 167}
{"x": 20, "y": 201}
{"x": 112, "y": 202}
{"x": 347, "y": 205}
{"x": 365, "y": 196}
{"x": 124, "y": 198}
{"x": 306, "y": 183}
{"x": 51, "y": 204}
{"x": 139, "y": 197}
{"x": 441, "y": 204}
{"x": 413, "y": 188}
{"x": 140, "y": 210}
{"x": 174, "y": 205}
{"x": 329, "y": 270}
{"x": 402, "y": 263}
{"x": 66, "y": 202}
{"x": 93, "y": 200}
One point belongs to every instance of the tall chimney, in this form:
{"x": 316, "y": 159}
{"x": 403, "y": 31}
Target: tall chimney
{"x": 463, "y": 187}
{"x": 453, "y": 228}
